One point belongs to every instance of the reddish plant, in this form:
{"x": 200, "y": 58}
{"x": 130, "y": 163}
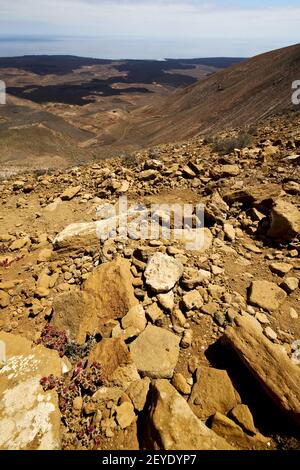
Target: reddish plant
{"x": 81, "y": 381}
{"x": 52, "y": 338}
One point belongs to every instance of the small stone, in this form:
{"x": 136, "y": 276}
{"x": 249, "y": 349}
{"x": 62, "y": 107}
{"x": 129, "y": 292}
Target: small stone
{"x": 290, "y": 284}
{"x": 19, "y": 244}
{"x": 293, "y": 314}
{"x": 229, "y": 232}
{"x": 219, "y": 318}
{"x": 77, "y": 403}
{"x": 44, "y": 255}
{"x": 210, "y": 309}
{"x": 187, "y": 339}
{"x": 253, "y": 248}
{"x": 4, "y": 299}
{"x": 266, "y": 295}
{"x": 135, "y": 319}
{"x": 292, "y": 187}
{"x": 242, "y": 415}
{"x": 148, "y": 175}
{"x": 188, "y": 172}
{"x": 193, "y": 364}
{"x": 281, "y": 268}
{"x": 155, "y": 352}
{"x": 231, "y": 314}
{"x": 250, "y": 310}
{"x": 166, "y": 301}
{"x": 262, "y": 318}
{"x": 213, "y": 391}
{"x": 125, "y": 414}
{"x": 138, "y": 392}
{"x": 293, "y": 253}
{"x": 124, "y": 187}
{"x": 192, "y": 300}
{"x": 229, "y": 170}
{"x": 154, "y": 312}
{"x": 181, "y": 385}
{"x": 42, "y": 292}
{"x": 70, "y": 193}
{"x": 178, "y": 317}
{"x": 270, "y": 334}
{"x": 163, "y": 272}
{"x": 216, "y": 270}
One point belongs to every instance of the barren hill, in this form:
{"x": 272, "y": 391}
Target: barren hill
{"x": 239, "y": 95}
{"x": 61, "y": 110}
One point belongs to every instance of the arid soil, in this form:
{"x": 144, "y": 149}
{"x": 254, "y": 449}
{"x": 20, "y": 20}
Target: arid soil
{"x": 122, "y": 342}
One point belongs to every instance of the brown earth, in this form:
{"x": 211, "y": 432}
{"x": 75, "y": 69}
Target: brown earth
{"x": 240, "y": 188}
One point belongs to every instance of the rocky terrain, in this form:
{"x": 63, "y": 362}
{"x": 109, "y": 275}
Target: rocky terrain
{"x": 120, "y": 342}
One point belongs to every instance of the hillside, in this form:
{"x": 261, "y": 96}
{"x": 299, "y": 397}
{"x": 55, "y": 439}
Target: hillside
{"x": 61, "y": 110}
{"x": 240, "y": 95}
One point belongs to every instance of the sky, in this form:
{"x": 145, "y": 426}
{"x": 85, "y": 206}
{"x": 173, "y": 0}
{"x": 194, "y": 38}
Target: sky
{"x": 201, "y": 28}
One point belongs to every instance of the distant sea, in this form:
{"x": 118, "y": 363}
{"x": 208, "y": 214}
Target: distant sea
{"x": 99, "y": 48}
{"x": 129, "y": 48}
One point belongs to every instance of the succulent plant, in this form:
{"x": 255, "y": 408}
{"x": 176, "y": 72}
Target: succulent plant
{"x": 82, "y": 381}
{"x": 52, "y": 338}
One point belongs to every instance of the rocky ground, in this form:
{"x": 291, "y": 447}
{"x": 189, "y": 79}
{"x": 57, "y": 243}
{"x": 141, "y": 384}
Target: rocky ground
{"x": 132, "y": 343}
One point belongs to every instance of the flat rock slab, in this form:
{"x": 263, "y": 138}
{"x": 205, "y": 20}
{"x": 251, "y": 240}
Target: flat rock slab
{"x": 266, "y": 295}
{"x": 155, "y": 352}
{"x": 213, "y": 391}
{"x": 29, "y": 417}
{"x": 77, "y": 235}
{"x": 70, "y": 193}
{"x": 163, "y": 272}
{"x": 172, "y": 425}
{"x": 268, "y": 363}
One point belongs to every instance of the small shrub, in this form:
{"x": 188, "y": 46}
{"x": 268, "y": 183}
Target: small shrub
{"x": 3, "y": 249}
{"x": 228, "y": 145}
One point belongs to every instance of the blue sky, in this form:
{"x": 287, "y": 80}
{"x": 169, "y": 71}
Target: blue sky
{"x": 219, "y": 27}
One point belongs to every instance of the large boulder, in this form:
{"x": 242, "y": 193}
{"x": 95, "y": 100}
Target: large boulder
{"x": 285, "y": 221}
{"x": 278, "y": 375}
{"x": 155, "y": 352}
{"x": 173, "y": 426}
{"x": 213, "y": 391}
{"x": 107, "y": 295}
{"x": 29, "y": 417}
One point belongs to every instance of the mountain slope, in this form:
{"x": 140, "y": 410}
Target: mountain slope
{"x": 32, "y": 136}
{"x": 240, "y": 95}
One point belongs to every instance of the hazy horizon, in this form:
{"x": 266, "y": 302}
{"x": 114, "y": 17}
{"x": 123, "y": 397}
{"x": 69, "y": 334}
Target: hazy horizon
{"x": 115, "y": 48}
{"x": 147, "y": 29}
